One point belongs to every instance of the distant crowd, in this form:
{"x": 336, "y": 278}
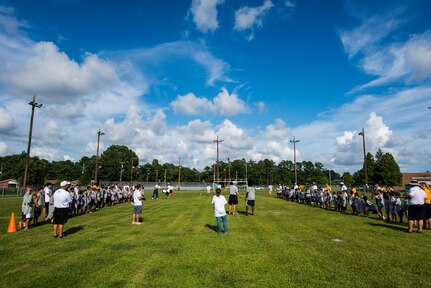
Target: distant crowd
{"x": 389, "y": 205}
{"x": 77, "y": 201}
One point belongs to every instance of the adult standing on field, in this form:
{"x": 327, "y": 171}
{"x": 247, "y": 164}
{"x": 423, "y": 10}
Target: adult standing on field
{"x": 218, "y": 202}
{"x": 47, "y": 190}
{"x": 233, "y": 197}
{"x": 270, "y": 187}
{"x": 62, "y": 200}
{"x": 250, "y": 198}
{"x": 137, "y": 205}
{"x": 417, "y": 199}
{"x": 38, "y": 206}
{"x": 427, "y": 217}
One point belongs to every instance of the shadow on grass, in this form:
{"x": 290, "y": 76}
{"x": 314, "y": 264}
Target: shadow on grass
{"x": 212, "y": 227}
{"x": 242, "y": 212}
{"x": 73, "y": 230}
{"x": 397, "y": 228}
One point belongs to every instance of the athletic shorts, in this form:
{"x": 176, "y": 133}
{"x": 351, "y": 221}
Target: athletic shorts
{"x": 427, "y": 211}
{"x": 388, "y": 206}
{"x": 250, "y": 203}
{"x": 137, "y": 209}
{"x": 37, "y": 212}
{"x": 233, "y": 199}
{"x": 60, "y": 215}
{"x": 416, "y": 212}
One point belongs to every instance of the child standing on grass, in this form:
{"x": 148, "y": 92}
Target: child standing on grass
{"x": 399, "y": 207}
{"x": 219, "y": 211}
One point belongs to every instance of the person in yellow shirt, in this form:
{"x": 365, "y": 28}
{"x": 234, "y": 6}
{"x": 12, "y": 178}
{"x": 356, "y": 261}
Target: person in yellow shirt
{"x": 427, "y": 218}
{"x": 328, "y": 188}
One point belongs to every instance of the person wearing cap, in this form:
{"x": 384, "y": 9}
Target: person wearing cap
{"x": 417, "y": 198}
{"x": 62, "y": 200}
{"x": 219, "y": 202}
{"x": 233, "y": 197}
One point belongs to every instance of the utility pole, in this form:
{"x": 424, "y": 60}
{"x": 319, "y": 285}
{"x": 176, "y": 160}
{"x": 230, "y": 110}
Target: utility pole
{"x": 362, "y": 133}
{"x": 218, "y": 164}
{"x": 121, "y": 171}
{"x": 179, "y": 173}
{"x": 228, "y": 166}
{"x": 34, "y": 105}
{"x": 246, "y": 176}
{"x": 294, "y": 141}
{"x": 97, "y": 154}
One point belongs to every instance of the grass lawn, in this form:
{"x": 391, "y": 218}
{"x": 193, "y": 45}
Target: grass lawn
{"x": 284, "y": 245}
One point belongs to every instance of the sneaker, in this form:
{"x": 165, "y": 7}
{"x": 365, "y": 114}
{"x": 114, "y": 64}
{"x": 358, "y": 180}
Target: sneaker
{"x": 133, "y": 223}
{"x": 138, "y": 223}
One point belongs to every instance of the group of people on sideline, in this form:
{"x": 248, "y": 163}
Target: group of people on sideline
{"x": 68, "y": 201}
{"x": 389, "y": 205}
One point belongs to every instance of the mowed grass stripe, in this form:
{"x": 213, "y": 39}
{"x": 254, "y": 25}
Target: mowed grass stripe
{"x": 284, "y": 245}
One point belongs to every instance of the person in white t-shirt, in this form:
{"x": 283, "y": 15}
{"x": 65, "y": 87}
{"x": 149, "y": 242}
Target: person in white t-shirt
{"x": 250, "y": 198}
{"x": 208, "y": 189}
{"x": 137, "y": 205}
{"x": 417, "y": 198}
{"x": 62, "y": 200}
{"x": 219, "y": 203}
{"x": 156, "y": 191}
{"x": 270, "y": 187}
{"x": 47, "y": 191}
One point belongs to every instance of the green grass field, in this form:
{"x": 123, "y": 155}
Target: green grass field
{"x": 284, "y": 245}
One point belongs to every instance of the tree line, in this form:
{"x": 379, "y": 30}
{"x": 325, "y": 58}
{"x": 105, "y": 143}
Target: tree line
{"x": 119, "y": 163}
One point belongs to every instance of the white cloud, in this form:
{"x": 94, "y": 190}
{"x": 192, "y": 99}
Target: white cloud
{"x": 278, "y": 130}
{"x": 3, "y": 148}
{"x": 189, "y": 104}
{"x": 229, "y": 104}
{"x": 8, "y": 22}
{"x": 51, "y": 74}
{"x": 204, "y": 14}
{"x": 47, "y": 153}
{"x": 247, "y": 18}
{"x": 224, "y": 104}
{"x": 260, "y": 106}
{"x": 6, "y": 119}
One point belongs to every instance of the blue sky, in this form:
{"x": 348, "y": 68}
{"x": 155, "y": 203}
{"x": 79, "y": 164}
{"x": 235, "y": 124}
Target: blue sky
{"x": 166, "y": 77}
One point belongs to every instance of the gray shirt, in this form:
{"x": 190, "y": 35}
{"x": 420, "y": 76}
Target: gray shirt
{"x": 251, "y": 193}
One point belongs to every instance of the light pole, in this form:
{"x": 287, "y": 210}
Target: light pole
{"x": 294, "y": 141}
{"x": 179, "y": 173}
{"x": 97, "y": 154}
{"x": 362, "y": 133}
{"x": 121, "y": 171}
{"x": 34, "y": 105}
{"x": 228, "y": 166}
{"x": 217, "y": 171}
{"x": 246, "y": 176}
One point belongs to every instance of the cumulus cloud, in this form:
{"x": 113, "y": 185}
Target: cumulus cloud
{"x": 3, "y": 148}
{"x": 189, "y": 104}
{"x": 52, "y": 74}
{"x": 247, "y": 18}
{"x": 204, "y": 14}
{"x": 278, "y": 130}
{"x": 224, "y": 104}
{"x": 6, "y": 120}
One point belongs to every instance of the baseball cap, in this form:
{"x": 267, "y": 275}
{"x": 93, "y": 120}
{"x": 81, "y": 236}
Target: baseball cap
{"x": 64, "y": 183}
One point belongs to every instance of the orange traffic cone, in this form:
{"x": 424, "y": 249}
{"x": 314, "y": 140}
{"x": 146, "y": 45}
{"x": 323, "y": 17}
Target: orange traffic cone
{"x": 12, "y": 224}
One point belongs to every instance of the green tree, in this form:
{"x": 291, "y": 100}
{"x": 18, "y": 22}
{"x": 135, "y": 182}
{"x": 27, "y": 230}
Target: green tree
{"x": 387, "y": 170}
{"x": 111, "y": 161}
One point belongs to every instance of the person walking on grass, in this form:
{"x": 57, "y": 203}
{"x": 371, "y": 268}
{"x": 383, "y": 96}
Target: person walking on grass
{"x": 219, "y": 203}
{"x": 27, "y": 208}
{"x": 417, "y": 198}
{"x": 62, "y": 200}
{"x": 38, "y": 206}
{"x": 137, "y": 205}
{"x": 47, "y": 190}
{"x": 427, "y": 218}
{"x": 270, "y": 187}
{"x": 250, "y": 198}
{"x": 233, "y": 197}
